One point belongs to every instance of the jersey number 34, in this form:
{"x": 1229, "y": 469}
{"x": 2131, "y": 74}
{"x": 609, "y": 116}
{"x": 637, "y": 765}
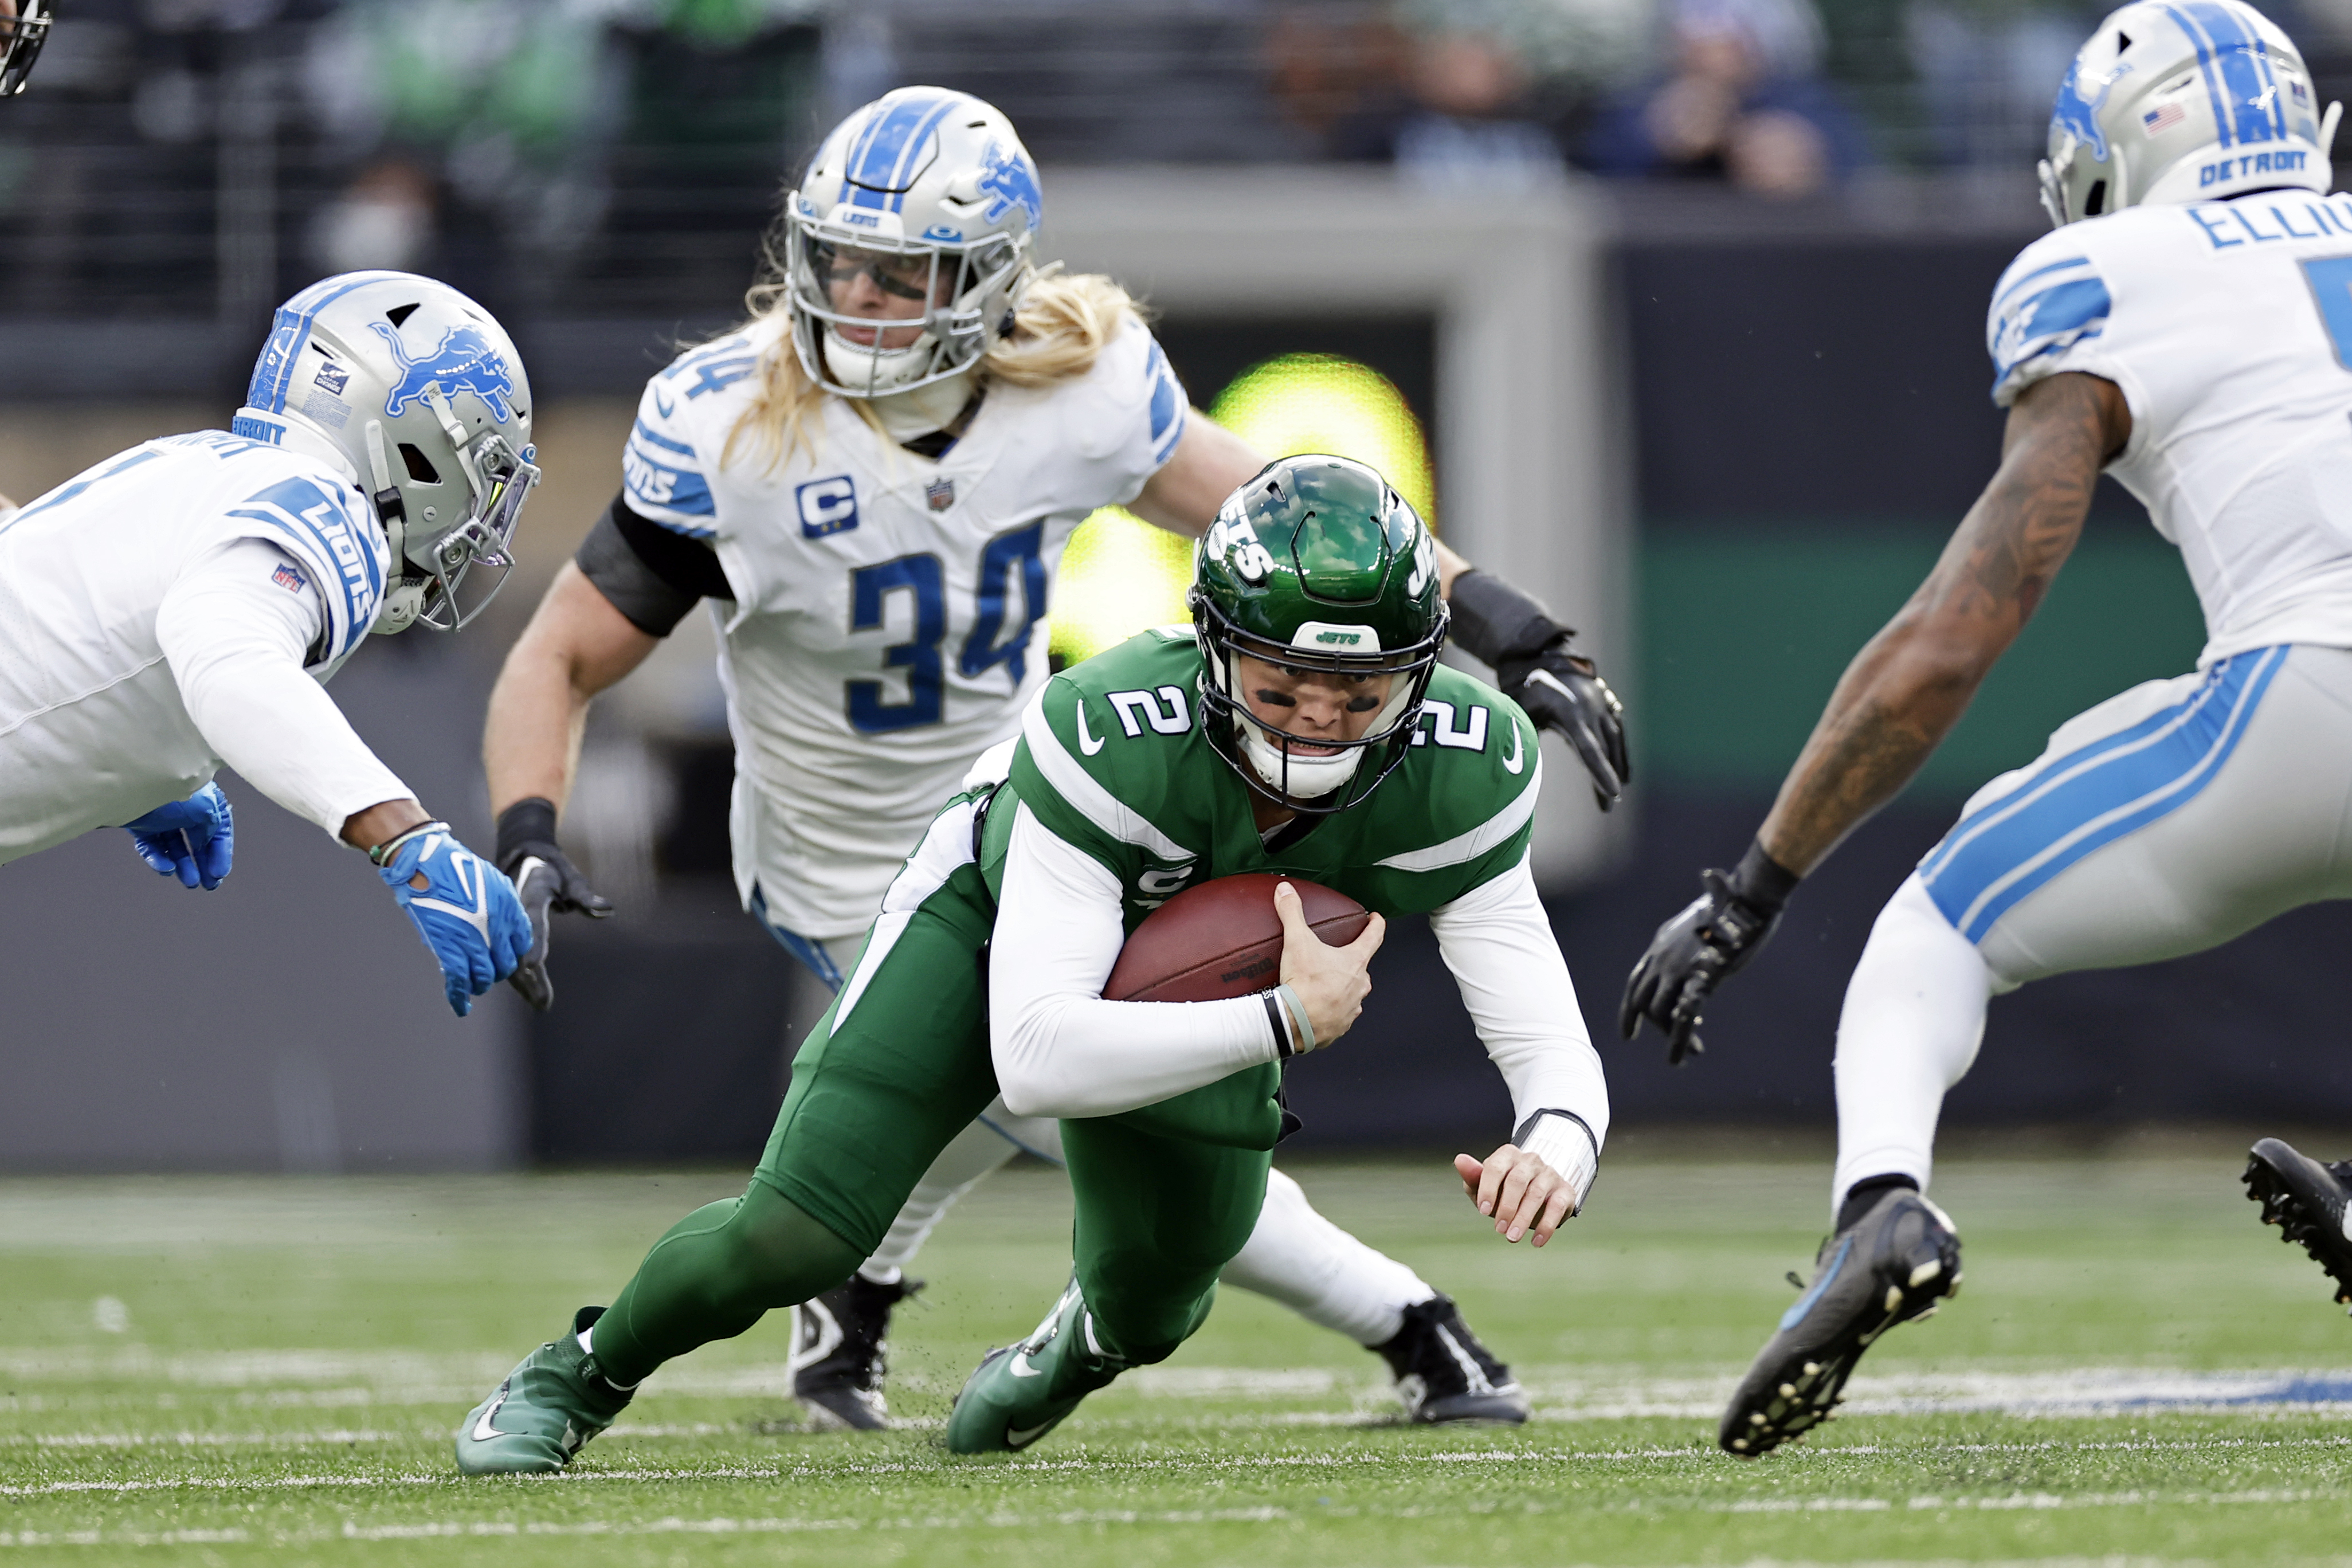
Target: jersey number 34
{"x": 990, "y": 641}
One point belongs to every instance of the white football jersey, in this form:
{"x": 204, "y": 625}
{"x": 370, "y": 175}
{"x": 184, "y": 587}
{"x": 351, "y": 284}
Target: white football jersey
{"x": 2228, "y": 325}
{"x": 884, "y": 629}
{"x": 93, "y": 732}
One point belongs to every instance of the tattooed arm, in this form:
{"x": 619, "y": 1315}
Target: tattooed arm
{"x": 1901, "y": 695}
{"x": 1910, "y": 684}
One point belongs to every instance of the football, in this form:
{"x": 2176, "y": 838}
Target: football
{"x": 1222, "y": 939}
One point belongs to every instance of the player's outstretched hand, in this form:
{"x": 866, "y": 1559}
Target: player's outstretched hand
{"x": 548, "y": 883}
{"x": 1332, "y": 981}
{"x": 1521, "y": 1193}
{"x": 1536, "y": 666}
{"x": 193, "y": 839}
{"x": 463, "y": 907}
{"x": 1715, "y": 935}
{"x": 1562, "y": 690}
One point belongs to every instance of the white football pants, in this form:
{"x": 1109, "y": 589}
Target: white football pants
{"x": 2163, "y": 822}
{"x": 1293, "y": 1255}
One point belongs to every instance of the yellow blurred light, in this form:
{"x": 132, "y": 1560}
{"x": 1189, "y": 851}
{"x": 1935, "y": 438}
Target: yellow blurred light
{"x": 1120, "y": 576}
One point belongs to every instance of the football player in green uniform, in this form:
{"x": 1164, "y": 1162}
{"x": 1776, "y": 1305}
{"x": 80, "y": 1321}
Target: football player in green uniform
{"x": 1306, "y": 727}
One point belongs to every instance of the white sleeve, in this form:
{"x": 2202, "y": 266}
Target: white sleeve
{"x": 1062, "y": 1050}
{"x": 1498, "y": 942}
{"x": 235, "y": 628}
{"x": 1145, "y": 406}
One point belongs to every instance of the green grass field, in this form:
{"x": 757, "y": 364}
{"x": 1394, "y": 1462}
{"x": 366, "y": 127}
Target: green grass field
{"x": 245, "y": 1370}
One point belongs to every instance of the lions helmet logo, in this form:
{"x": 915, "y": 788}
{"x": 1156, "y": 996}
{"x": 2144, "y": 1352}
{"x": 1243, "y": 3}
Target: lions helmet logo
{"x": 2080, "y": 115}
{"x": 463, "y": 360}
{"x": 1011, "y": 181}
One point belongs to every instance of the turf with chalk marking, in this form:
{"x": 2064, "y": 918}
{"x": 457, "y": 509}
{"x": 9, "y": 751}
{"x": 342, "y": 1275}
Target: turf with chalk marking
{"x": 248, "y": 1371}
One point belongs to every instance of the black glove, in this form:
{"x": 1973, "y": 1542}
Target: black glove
{"x": 1534, "y": 667}
{"x": 546, "y": 880}
{"x": 1720, "y": 931}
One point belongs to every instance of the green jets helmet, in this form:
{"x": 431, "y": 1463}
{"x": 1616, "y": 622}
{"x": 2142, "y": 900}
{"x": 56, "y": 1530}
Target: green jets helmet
{"x": 1316, "y": 566}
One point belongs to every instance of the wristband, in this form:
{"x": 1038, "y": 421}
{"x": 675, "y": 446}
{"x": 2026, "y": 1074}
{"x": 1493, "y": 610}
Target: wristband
{"x": 1492, "y": 620}
{"x": 528, "y": 822}
{"x": 386, "y": 852}
{"x": 1761, "y": 881}
{"x": 1274, "y": 1021}
{"x": 1298, "y": 1014}
{"x": 1564, "y": 1140}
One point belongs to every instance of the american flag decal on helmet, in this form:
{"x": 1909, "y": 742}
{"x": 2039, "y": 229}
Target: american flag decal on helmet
{"x": 2163, "y": 118}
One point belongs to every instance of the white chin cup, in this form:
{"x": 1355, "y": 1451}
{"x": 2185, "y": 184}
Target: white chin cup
{"x": 883, "y": 370}
{"x": 1307, "y": 778}
{"x": 923, "y": 409}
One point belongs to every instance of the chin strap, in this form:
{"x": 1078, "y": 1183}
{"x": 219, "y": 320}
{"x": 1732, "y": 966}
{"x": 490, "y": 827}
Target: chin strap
{"x": 400, "y": 605}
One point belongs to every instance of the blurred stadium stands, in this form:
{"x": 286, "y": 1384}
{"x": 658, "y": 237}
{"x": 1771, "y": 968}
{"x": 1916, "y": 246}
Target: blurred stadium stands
{"x": 1791, "y": 415}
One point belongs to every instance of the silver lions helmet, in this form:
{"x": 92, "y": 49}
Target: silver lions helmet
{"x": 21, "y": 38}
{"x": 930, "y": 194}
{"x": 2183, "y": 101}
{"x": 419, "y": 393}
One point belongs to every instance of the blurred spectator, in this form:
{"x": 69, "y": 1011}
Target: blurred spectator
{"x": 1330, "y": 67}
{"x": 488, "y": 118}
{"x": 1745, "y": 102}
{"x": 1462, "y": 126}
{"x": 383, "y": 219}
{"x": 1457, "y": 92}
{"x": 1988, "y": 71}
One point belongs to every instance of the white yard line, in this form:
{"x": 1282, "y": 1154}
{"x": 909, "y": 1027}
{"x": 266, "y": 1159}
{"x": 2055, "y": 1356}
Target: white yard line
{"x": 1088, "y": 1518}
{"x": 328, "y": 1378}
{"x": 1116, "y": 1465}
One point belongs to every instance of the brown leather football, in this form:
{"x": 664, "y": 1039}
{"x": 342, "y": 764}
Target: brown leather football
{"x": 1222, "y": 939}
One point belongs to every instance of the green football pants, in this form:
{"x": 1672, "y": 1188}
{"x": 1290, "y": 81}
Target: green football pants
{"x": 898, "y": 1066}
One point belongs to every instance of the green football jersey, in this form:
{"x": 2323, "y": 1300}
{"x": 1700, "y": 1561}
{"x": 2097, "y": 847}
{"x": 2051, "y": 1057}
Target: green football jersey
{"x": 1112, "y": 760}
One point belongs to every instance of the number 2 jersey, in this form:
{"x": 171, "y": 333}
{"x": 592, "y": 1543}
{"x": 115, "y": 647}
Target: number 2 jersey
{"x": 2228, "y": 325}
{"x": 176, "y": 607}
{"x": 883, "y": 623}
{"x": 1116, "y": 801}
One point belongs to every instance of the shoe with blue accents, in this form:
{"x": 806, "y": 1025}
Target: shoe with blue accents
{"x": 1889, "y": 1266}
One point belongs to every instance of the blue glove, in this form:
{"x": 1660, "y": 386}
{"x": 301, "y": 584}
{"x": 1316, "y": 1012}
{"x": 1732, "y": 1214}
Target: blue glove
{"x": 192, "y": 839}
{"x": 464, "y": 908}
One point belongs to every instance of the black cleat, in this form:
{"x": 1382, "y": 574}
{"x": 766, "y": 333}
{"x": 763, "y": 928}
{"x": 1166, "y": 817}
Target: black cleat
{"x": 1443, "y": 1374}
{"x": 2305, "y": 1199}
{"x": 840, "y": 1345}
{"x": 1887, "y": 1268}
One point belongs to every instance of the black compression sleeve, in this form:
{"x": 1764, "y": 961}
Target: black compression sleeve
{"x": 651, "y": 575}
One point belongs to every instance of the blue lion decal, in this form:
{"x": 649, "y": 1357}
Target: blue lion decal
{"x": 464, "y": 360}
{"x": 1012, "y": 179}
{"x": 2080, "y": 114}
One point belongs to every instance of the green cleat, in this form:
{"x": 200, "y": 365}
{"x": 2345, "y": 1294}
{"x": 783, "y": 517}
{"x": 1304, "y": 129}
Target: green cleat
{"x": 1018, "y": 1394}
{"x": 537, "y": 1418}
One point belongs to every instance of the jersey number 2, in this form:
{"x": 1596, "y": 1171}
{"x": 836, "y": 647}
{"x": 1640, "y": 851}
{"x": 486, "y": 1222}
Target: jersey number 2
{"x": 1022, "y": 550}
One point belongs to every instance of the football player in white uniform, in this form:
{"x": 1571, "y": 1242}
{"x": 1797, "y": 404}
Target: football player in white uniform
{"x": 873, "y": 481}
{"x": 2188, "y": 327}
{"x": 179, "y": 607}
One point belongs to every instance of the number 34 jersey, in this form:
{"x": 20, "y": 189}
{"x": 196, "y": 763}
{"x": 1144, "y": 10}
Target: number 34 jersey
{"x": 884, "y": 629}
{"x": 2228, "y": 325}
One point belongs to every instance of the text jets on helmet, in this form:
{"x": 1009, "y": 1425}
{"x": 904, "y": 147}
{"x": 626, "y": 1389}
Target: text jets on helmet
{"x": 421, "y": 391}
{"x": 2183, "y": 101}
{"x": 932, "y": 195}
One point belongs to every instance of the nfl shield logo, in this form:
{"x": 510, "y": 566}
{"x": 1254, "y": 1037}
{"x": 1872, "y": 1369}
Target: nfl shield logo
{"x": 940, "y": 493}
